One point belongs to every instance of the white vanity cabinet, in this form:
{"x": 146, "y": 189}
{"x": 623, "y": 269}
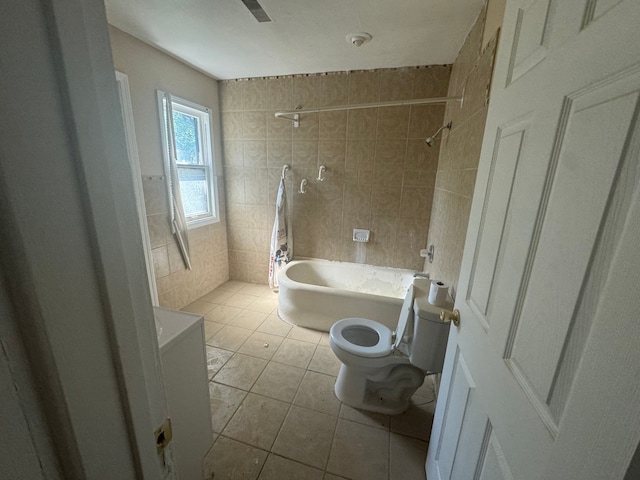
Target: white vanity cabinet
{"x": 182, "y": 350}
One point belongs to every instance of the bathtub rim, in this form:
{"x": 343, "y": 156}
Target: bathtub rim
{"x": 285, "y": 280}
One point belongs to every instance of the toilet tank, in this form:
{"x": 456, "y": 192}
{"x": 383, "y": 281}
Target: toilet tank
{"x": 430, "y": 335}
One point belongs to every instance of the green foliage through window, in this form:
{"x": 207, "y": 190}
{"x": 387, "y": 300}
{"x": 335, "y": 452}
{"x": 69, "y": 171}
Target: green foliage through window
{"x": 185, "y": 129}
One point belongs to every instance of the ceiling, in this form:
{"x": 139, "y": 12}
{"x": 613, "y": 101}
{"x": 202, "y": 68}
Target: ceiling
{"x": 224, "y": 40}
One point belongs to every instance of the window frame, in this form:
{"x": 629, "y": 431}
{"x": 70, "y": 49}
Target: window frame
{"x": 205, "y": 134}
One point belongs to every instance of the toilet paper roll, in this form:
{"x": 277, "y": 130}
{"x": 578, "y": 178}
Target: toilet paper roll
{"x": 438, "y": 293}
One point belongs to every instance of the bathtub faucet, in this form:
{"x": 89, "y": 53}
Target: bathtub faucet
{"x": 421, "y": 274}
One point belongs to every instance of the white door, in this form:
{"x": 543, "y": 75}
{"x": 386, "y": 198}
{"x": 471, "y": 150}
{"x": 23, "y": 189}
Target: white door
{"x": 542, "y": 378}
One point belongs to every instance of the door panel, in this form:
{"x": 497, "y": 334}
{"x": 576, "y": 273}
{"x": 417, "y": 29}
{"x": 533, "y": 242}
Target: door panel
{"x": 597, "y": 127}
{"x": 495, "y": 216}
{"x": 541, "y": 379}
{"x": 529, "y": 43}
{"x": 494, "y": 464}
{"x": 460, "y": 390}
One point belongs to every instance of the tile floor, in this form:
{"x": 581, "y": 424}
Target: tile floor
{"x": 273, "y": 410}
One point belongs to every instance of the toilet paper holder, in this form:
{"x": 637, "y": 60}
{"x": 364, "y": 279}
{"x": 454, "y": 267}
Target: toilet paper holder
{"x": 450, "y": 316}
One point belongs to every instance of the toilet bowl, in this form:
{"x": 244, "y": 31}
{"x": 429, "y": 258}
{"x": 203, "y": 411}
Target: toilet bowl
{"x": 382, "y": 369}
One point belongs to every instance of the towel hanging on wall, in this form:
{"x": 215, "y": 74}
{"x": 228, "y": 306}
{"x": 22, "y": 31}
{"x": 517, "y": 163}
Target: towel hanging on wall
{"x": 281, "y": 238}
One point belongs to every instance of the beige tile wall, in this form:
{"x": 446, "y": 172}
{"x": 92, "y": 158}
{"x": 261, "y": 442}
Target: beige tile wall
{"x": 380, "y": 174}
{"x": 176, "y": 285}
{"x": 460, "y": 153}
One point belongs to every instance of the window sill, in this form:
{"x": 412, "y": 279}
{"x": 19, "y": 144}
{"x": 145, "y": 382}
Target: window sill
{"x": 201, "y": 222}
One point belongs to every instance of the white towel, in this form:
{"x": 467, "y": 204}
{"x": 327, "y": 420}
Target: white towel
{"x": 281, "y": 238}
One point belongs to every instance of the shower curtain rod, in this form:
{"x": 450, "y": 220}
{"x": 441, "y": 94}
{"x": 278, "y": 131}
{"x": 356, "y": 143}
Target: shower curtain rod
{"x": 424, "y": 101}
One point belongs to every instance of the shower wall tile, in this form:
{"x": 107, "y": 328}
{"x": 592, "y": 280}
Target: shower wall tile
{"x": 380, "y": 174}
{"x": 362, "y": 123}
{"x": 159, "y": 231}
{"x": 430, "y": 82}
{"x": 255, "y": 153}
{"x": 155, "y": 195}
{"x": 459, "y": 154}
{"x": 396, "y": 84}
{"x": 176, "y": 285}
{"x": 279, "y": 91}
{"x": 231, "y": 125}
{"x": 334, "y": 89}
{"x": 233, "y": 152}
{"x": 309, "y": 129}
{"x": 332, "y": 124}
{"x": 254, "y": 95}
{"x": 254, "y": 125}
{"x": 306, "y": 91}
{"x": 231, "y": 96}
{"x": 279, "y": 153}
{"x": 393, "y": 122}
{"x": 278, "y": 129}
{"x": 364, "y": 86}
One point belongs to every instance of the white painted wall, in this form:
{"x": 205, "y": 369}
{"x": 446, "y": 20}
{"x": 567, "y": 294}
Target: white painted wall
{"x": 149, "y": 70}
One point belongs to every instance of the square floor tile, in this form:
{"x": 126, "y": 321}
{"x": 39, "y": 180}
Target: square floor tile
{"x": 224, "y": 402}
{"x": 230, "y": 337}
{"x": 275, "y": 326}
{"x": 216, "y": 296}
{"x": 248, "y": 319}
{"x": 325, "y": 361}
{"x": 216, "y": 358}
{"x": 264, "y": 305}
{"x": 261, "y": 345}
{"x": 372, "y": 419}
{"x": 223, "y": 314}
{"x": 295, "y": 353}
{"x": 232, "y": 286}
{"x": 407, "y": 458}
{"x": 359, "y": 452}
{"x": 229, "y": 459}
{"x": 241, "y": 371}
{"x": 415, "y": 422}
{"x": 257, "y": 421}
{"x": 279, "y": 381}
{"x": 305, "y": 334}
{"x": 239, "y": 300}
{"x": 279, "y": 468}
{"x": 211, "y": 328}
{"x": 306, "y": 437}
{"x": 324, "y": 340}
{"x": 316, "y": 393}
{"x": 270, "y": 294}
{"x": 253, "y": 289}
{"x": 199, "y": 307}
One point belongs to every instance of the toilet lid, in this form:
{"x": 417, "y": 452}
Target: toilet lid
{"x": 362, "y": 337}
{"x": 406, "y": 314}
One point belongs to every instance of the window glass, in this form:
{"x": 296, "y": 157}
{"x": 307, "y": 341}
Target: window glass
{"x": 194, "y": 191}
{"x": 185, "y": 128}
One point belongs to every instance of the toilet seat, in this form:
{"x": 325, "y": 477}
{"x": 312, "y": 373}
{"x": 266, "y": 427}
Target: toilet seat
{"x": 343, "y": 332}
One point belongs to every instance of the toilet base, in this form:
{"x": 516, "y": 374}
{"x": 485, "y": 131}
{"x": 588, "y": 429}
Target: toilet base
{"x": 390, "y": 396}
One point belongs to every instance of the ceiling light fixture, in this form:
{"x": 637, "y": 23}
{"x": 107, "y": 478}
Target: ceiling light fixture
{"x": 358, "y": 39}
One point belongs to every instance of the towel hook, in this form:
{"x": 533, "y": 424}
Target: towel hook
{"x": 321, "y": 173}
{"x": 303, "y": 186}
{"x": 284, "y": 171}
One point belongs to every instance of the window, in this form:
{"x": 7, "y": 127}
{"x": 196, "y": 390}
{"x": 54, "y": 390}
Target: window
{"x": 191, "y": 129}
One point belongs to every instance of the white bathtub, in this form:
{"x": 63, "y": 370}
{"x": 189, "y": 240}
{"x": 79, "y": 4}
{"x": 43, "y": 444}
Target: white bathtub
{"x": 317, "y": 293}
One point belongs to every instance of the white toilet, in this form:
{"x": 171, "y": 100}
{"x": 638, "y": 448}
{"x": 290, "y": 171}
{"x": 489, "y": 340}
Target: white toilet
{"x": 382, "y": 369}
